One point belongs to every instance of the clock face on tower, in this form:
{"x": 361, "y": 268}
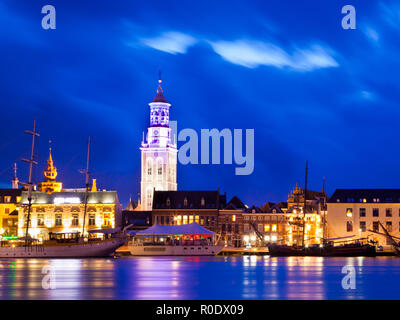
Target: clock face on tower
{"x": 155, "y": 132}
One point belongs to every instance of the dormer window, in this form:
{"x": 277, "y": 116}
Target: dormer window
{"x": 203, "y": 202}
{"x": 185, "y": 202}
{"x": 168, "y": 202}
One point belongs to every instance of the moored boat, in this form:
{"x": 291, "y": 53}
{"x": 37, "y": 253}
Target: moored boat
{"x": 175, "y": 240}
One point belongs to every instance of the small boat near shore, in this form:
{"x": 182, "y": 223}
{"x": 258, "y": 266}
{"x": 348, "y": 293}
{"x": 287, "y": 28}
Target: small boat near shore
{"x": 354, "y": 248}
{"x": 176, "y": 240}
{"x": 62, "y": 245}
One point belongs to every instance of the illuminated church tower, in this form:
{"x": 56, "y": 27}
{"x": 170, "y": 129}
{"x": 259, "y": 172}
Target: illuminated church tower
{"x": 158, "y": 153}
{"x": 50, "y": 174}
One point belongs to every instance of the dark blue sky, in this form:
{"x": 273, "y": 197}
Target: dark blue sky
{"x": 287, "y": 69}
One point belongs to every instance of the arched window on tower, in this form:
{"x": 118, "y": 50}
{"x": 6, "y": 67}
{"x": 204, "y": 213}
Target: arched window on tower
{"x": 149, "y": 167}
{"x": 149, "y": 197}
{"x": 159, "y": 168}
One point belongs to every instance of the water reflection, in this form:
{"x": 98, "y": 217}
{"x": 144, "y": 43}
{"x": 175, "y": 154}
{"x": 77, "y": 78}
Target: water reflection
{"x": 247, "y": 277}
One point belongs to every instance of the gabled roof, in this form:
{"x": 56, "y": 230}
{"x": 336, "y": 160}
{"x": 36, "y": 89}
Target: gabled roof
{"x": 255, "y": 209}
{"x": 235, "y": 203}
{"x": 274, "y": 209}
{"x": 176, "y": 200}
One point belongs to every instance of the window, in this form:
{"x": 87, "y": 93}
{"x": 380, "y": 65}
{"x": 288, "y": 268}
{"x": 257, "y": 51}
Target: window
{"x": 185, "y": 202}
{"x": 75, "y": 220}
{"x": 363, "y": 212}
{"x": 160, "y": 171}
{"x": 58, "y": 220}
{"x": 388, "y": 212}
{"x": 274, "y": 227}
{"x": 267, "y": 228}
{"x": 92, "y": 219}
{"x": 223, "y": 227}
{"x": 363, "y": 226}
{"x": 233, "y": 218}
{"x": 40, "y": 220}
{"x": 259, "y": 227}
{"x": 246, "y": 228}
{"x": 349, "y": 212}
{"x": 375, "y": 212}
{"x": 149, "y": 171}
{"x": 7, "y": 199}
{"x": 7, "y": 210}
{"x": 375, "y": 226}
{"x": 349, "y": 226}
{"x": 203, "y": 202}
{"x": 389, "y": 226}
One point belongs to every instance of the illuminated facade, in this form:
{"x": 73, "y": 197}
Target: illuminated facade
{"x": 158, "y": 153}
{"x": 355, "y": 212}
{"x": 62, "y": 210}
{"x": 9, "y": 203}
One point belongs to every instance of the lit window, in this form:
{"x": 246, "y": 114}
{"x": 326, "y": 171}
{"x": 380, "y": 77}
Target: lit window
{"x": 267, "y": 228}
{"x": 92, "y": 219}
{"x": 233, "y": 218}
{"x": 58, "y": 219}
{"x": 274, "y": 227}
{"x": 349, "y": 212}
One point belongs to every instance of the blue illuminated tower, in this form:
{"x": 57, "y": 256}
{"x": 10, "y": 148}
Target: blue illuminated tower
{"x": 158, "y": 152}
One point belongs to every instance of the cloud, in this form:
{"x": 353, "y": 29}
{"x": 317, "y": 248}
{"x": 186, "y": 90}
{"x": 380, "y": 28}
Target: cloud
{"x": 253, "y": 54}
{"x": 371, "y": 34}
{"x": 171, "y": 42}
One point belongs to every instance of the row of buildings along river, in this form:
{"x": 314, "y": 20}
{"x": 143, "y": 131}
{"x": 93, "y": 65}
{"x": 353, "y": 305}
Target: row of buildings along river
{"x": 346, "y": 213}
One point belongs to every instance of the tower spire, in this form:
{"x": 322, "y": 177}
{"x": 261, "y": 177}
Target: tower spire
{"x": 15, "y": 180}
{"x": 159, "y": 97}
{"x": 50, "y": 184}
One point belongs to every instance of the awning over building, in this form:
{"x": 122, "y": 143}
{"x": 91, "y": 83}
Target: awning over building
{"x": 184, "y": 229}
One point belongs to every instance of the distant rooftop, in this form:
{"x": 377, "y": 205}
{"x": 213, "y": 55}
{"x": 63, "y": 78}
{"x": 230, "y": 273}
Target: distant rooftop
{"x": 365, "y": 196}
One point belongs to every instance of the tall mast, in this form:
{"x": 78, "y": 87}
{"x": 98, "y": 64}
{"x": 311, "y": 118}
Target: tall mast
{"x": 87, "y": 187}
{"x": 31, "y": 162}
{"x": 324, "y": 209}
{"x": 305, "y": 203}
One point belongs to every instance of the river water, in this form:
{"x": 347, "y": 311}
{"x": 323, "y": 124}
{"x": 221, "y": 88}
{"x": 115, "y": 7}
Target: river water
{"x": 248, "y": 277}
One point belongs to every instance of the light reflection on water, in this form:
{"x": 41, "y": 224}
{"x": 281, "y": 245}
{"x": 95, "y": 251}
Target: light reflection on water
{"x": 248, "y": 277}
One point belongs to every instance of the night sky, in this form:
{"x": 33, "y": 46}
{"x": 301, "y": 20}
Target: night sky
{"x": 310, "y": 89}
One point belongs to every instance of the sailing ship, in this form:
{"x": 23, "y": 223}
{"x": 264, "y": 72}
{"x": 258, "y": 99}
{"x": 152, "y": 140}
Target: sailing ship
{"x": 60, "y": 245}
{"x": 177, "y": 240}
{"x": 328, "y": 247}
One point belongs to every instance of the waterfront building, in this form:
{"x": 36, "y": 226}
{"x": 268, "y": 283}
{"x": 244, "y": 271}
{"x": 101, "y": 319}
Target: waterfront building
{"x": 158, "y": 153}
{"x": 353, "y": 212}
{"x": 9, "y": 205}
{"x": 283, "y": 222}
{"x": 182, "y": 207}
{"x": 55, "y": 209}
